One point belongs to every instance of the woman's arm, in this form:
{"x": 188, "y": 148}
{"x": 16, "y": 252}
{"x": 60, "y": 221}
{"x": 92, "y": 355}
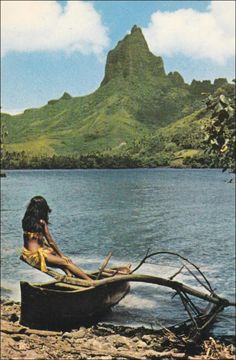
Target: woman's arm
{"x": 54, "y": 246}
{"x": 50, "y": 239}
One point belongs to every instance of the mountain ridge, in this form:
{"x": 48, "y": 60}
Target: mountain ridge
{"x": 136, "y": 97}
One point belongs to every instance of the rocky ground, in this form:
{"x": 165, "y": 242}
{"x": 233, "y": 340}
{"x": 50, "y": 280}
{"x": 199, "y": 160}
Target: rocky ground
{"x": 105, "y": 342}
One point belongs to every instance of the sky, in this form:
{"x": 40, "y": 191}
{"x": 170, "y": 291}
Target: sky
{"x": 49, "y": 47}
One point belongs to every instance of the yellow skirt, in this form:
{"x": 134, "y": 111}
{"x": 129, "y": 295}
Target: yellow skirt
{"x": 36, "y": 258}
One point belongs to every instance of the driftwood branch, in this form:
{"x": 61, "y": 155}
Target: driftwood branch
{"x": 192, "y": 305}
{"x": 198, "y": 280}
{"x": 175, "y": 285}
{"x": 177, "y": 273}
{"x": 185, "y": 303}
{"x": 104, "y": 264}
{"x": 147, "y": 256}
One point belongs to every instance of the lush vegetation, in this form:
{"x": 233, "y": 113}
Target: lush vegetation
{"x": 178, "y": 145}
{"x": 131, "y": 120}
{"x": 221, "y": 131}
{"x": 3, "y": 136}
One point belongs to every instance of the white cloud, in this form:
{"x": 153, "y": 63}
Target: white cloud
{"x": 46, "y": 26}
{"x": 201, "y": 35}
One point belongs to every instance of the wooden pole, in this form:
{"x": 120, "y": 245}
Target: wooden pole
{"x": 175, "y": 285}
{"x": 104, "y": 264}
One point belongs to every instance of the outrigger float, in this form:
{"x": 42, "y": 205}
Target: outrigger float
{"x": 68, "y": 302}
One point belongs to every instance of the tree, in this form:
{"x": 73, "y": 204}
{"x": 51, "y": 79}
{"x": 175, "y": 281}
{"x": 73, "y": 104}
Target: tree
{"x": 3, "y": 134}
{"x": 221, "y": 131}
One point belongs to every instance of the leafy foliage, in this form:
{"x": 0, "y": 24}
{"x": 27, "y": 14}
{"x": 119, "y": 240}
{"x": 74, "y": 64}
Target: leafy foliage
{"x": 4, "y": 134}
{"x": 221, "y": 131}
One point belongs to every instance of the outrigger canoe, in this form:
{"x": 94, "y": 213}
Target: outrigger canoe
{"x": 58, "y": 305}
{"x": 69, "y": 302}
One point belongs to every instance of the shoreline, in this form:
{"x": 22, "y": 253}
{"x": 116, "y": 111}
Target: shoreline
{"x": 102, "y": 341}
{"x": 116, "y": 168}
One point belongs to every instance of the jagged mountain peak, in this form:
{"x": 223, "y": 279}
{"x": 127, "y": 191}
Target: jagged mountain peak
{"x": 132, "y": 57}
{"x": 135, "y": 28}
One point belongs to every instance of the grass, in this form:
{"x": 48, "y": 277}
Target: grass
{"x": 42, "y": 146}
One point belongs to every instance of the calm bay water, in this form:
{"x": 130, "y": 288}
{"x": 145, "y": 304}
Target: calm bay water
{"x": 128, "y": 211}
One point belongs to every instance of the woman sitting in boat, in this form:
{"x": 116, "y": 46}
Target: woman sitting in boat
{"x": 40, "y": 249}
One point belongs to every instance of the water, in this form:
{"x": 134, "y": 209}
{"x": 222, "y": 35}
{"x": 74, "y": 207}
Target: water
{"x": 128, "y": 211}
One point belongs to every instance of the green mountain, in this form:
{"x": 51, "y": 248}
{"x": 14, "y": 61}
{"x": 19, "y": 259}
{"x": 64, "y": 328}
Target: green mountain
{"x": 135, "y": 99}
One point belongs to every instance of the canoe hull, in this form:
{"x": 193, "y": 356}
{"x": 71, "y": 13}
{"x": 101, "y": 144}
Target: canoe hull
{"x": 48, "y": 307}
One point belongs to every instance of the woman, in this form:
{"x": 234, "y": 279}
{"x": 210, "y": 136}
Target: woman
{"x": 40, "y": 249}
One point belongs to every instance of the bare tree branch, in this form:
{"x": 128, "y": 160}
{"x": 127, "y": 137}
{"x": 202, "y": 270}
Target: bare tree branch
{"x": 147, "y": 256}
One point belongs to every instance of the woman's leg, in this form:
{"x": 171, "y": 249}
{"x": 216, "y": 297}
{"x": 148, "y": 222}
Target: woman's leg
{"x": 57, "y": 261}
{"x": 52, "y": 252}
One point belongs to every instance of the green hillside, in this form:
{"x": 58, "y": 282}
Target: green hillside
{"x": 134, "y": 101}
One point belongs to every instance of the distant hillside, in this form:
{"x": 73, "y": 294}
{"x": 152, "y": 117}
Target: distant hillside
{"x": 134, "y": 100}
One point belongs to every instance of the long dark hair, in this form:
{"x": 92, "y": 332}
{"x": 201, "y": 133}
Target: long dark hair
{"x": 37, "y": 210}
